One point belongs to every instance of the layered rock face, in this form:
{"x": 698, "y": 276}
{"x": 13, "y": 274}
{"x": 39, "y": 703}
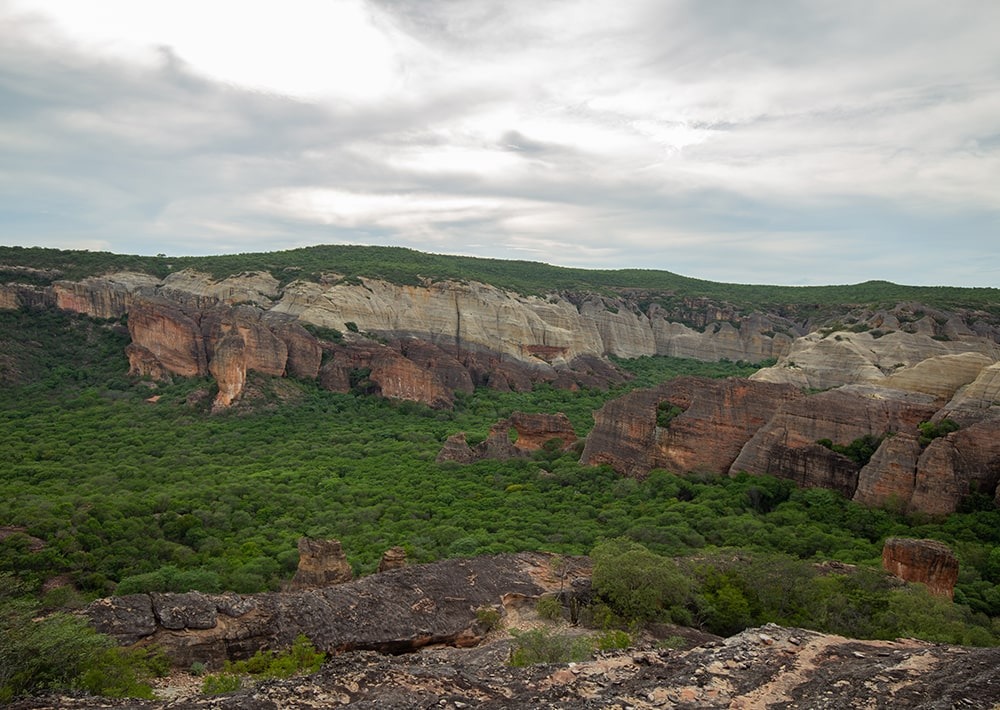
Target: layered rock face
{"x": 767, "y": 428}
{"x": 711, "y": 422}
{"x": 928, "y": 562}
{"x": 908, "y": 361}
{"x": 787, "y": 445}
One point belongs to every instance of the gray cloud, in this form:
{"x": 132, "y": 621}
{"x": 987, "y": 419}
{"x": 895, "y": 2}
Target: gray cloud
{"x": 800, "y": 143}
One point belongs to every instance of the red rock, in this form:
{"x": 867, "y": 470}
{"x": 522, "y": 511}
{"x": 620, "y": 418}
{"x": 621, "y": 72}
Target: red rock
{"x": 717, "y": 418}
{"x": 928, "y": 562}
{"x": 171, "y": 335}
{"x": 393, "y": 558}
{"x": 951, "y": 467}
{"x": 535, "y": 430}
{"x": 229, "y": 368}
{"x": 786, "y": 446}
{"x": 889, "y": 478}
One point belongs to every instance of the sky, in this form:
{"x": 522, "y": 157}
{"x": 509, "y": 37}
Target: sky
{"x": 778, "y": 142}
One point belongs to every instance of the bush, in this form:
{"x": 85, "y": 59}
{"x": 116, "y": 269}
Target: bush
{"x": 545, "y": 646}
{"x": 612, "y": 639}
{"x": 637, "y": 584}
{"x": 549, "y": 607}
{"x": 218, "y": 683}
{"x": 302, "y": 657}
{"x": 488, "y": 618}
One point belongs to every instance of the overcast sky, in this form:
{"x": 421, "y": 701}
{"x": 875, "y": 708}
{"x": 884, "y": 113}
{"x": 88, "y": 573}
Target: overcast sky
{"x": 755, "y": 142}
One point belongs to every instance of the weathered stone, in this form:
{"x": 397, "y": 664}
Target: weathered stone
{"x": 103, "y": 297}
{"x": 963, "y": 462}
{"x": 457, "y": 449}
{"x": 321, "y": 563}
{"x": 190, "y": 610}
{"x": 889, "y": 478}
{"x": 928, "y": 562}
{"x": 229, "y": 368}
{"x": 787, "y": 446}
{"x": 535, "y": 430}
{"x": 712, "y": 421}
{"x": 401, "y": 609}
{"x": 822, "y": 361}
{"x": 170, "y": 334}
{"x": 393, "y": 558}
{"x": 127, "y": 618}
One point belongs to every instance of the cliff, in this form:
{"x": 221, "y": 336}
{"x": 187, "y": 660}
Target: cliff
{"x": 761, "y": 427}
{"x": 425, "y": 342}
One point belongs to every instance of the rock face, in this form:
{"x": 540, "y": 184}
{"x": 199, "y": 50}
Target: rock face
{"x": 687, "y": 424}
{"x": 908, "y": 361}
{"x": 928, "y": 562}
{"x": 732, "y": 426}
{"x": 787, "y": 446}
{"x": 321, "y": 563}
{"x": 398, "y": 610}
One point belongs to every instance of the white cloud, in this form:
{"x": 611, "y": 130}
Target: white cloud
{"x": 723, "y": 140}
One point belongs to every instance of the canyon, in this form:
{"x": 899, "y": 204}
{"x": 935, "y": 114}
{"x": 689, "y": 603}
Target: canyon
{"x": 859, "y": 372}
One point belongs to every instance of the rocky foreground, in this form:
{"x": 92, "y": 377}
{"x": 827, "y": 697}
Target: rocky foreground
{"x": 767, "y": 667}
{"x": 413, "y": 637}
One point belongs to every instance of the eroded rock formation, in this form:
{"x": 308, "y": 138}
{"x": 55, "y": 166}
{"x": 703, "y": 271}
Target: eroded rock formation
{"x": 928, "y": 562}
{"x": 684, "y": 425}
{"x": 321, "y": 564}
{"x": 531, "y": 433}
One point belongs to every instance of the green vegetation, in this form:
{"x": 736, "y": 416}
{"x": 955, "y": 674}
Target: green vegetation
{"x": 665, "y": 413}
{"x": 544, "y": 645}
{"x": 728, "y": 590}
{"x": 930, "y": 430}
{"x": 407, "y": 266}
{"x": 860, "y": 451}
{"x": 122, "y": 494}
{"x": 300, "y": 659}
{"x": 58, "y": 650}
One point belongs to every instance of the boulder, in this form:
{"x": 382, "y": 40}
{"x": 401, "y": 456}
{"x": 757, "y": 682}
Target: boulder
{"x": 928, "y": 562}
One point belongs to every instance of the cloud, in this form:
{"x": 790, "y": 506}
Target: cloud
{"x": 783, "y": 144}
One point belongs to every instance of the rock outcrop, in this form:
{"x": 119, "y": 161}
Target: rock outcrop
{"x": 399, "y": 610}
{"x": 928, "y": 562}
{"x": 531, "y": 433}
{"x": 393, "y": 558}
{"x": 764, "y": 667}
{"x": 788, "y": 445}
{"x": 684, "y": 425}
{"x": 733, "y": 426}
{"x": 321, "y": 564}
{"x": 908, "y": 361}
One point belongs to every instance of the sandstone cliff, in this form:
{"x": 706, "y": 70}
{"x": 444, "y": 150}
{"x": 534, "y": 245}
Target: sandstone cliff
{"x": 709, "y": 424}
{"x": 765, "y": 428}
{"x": 455, "y": 335}
{"x": 928, "y": 562}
